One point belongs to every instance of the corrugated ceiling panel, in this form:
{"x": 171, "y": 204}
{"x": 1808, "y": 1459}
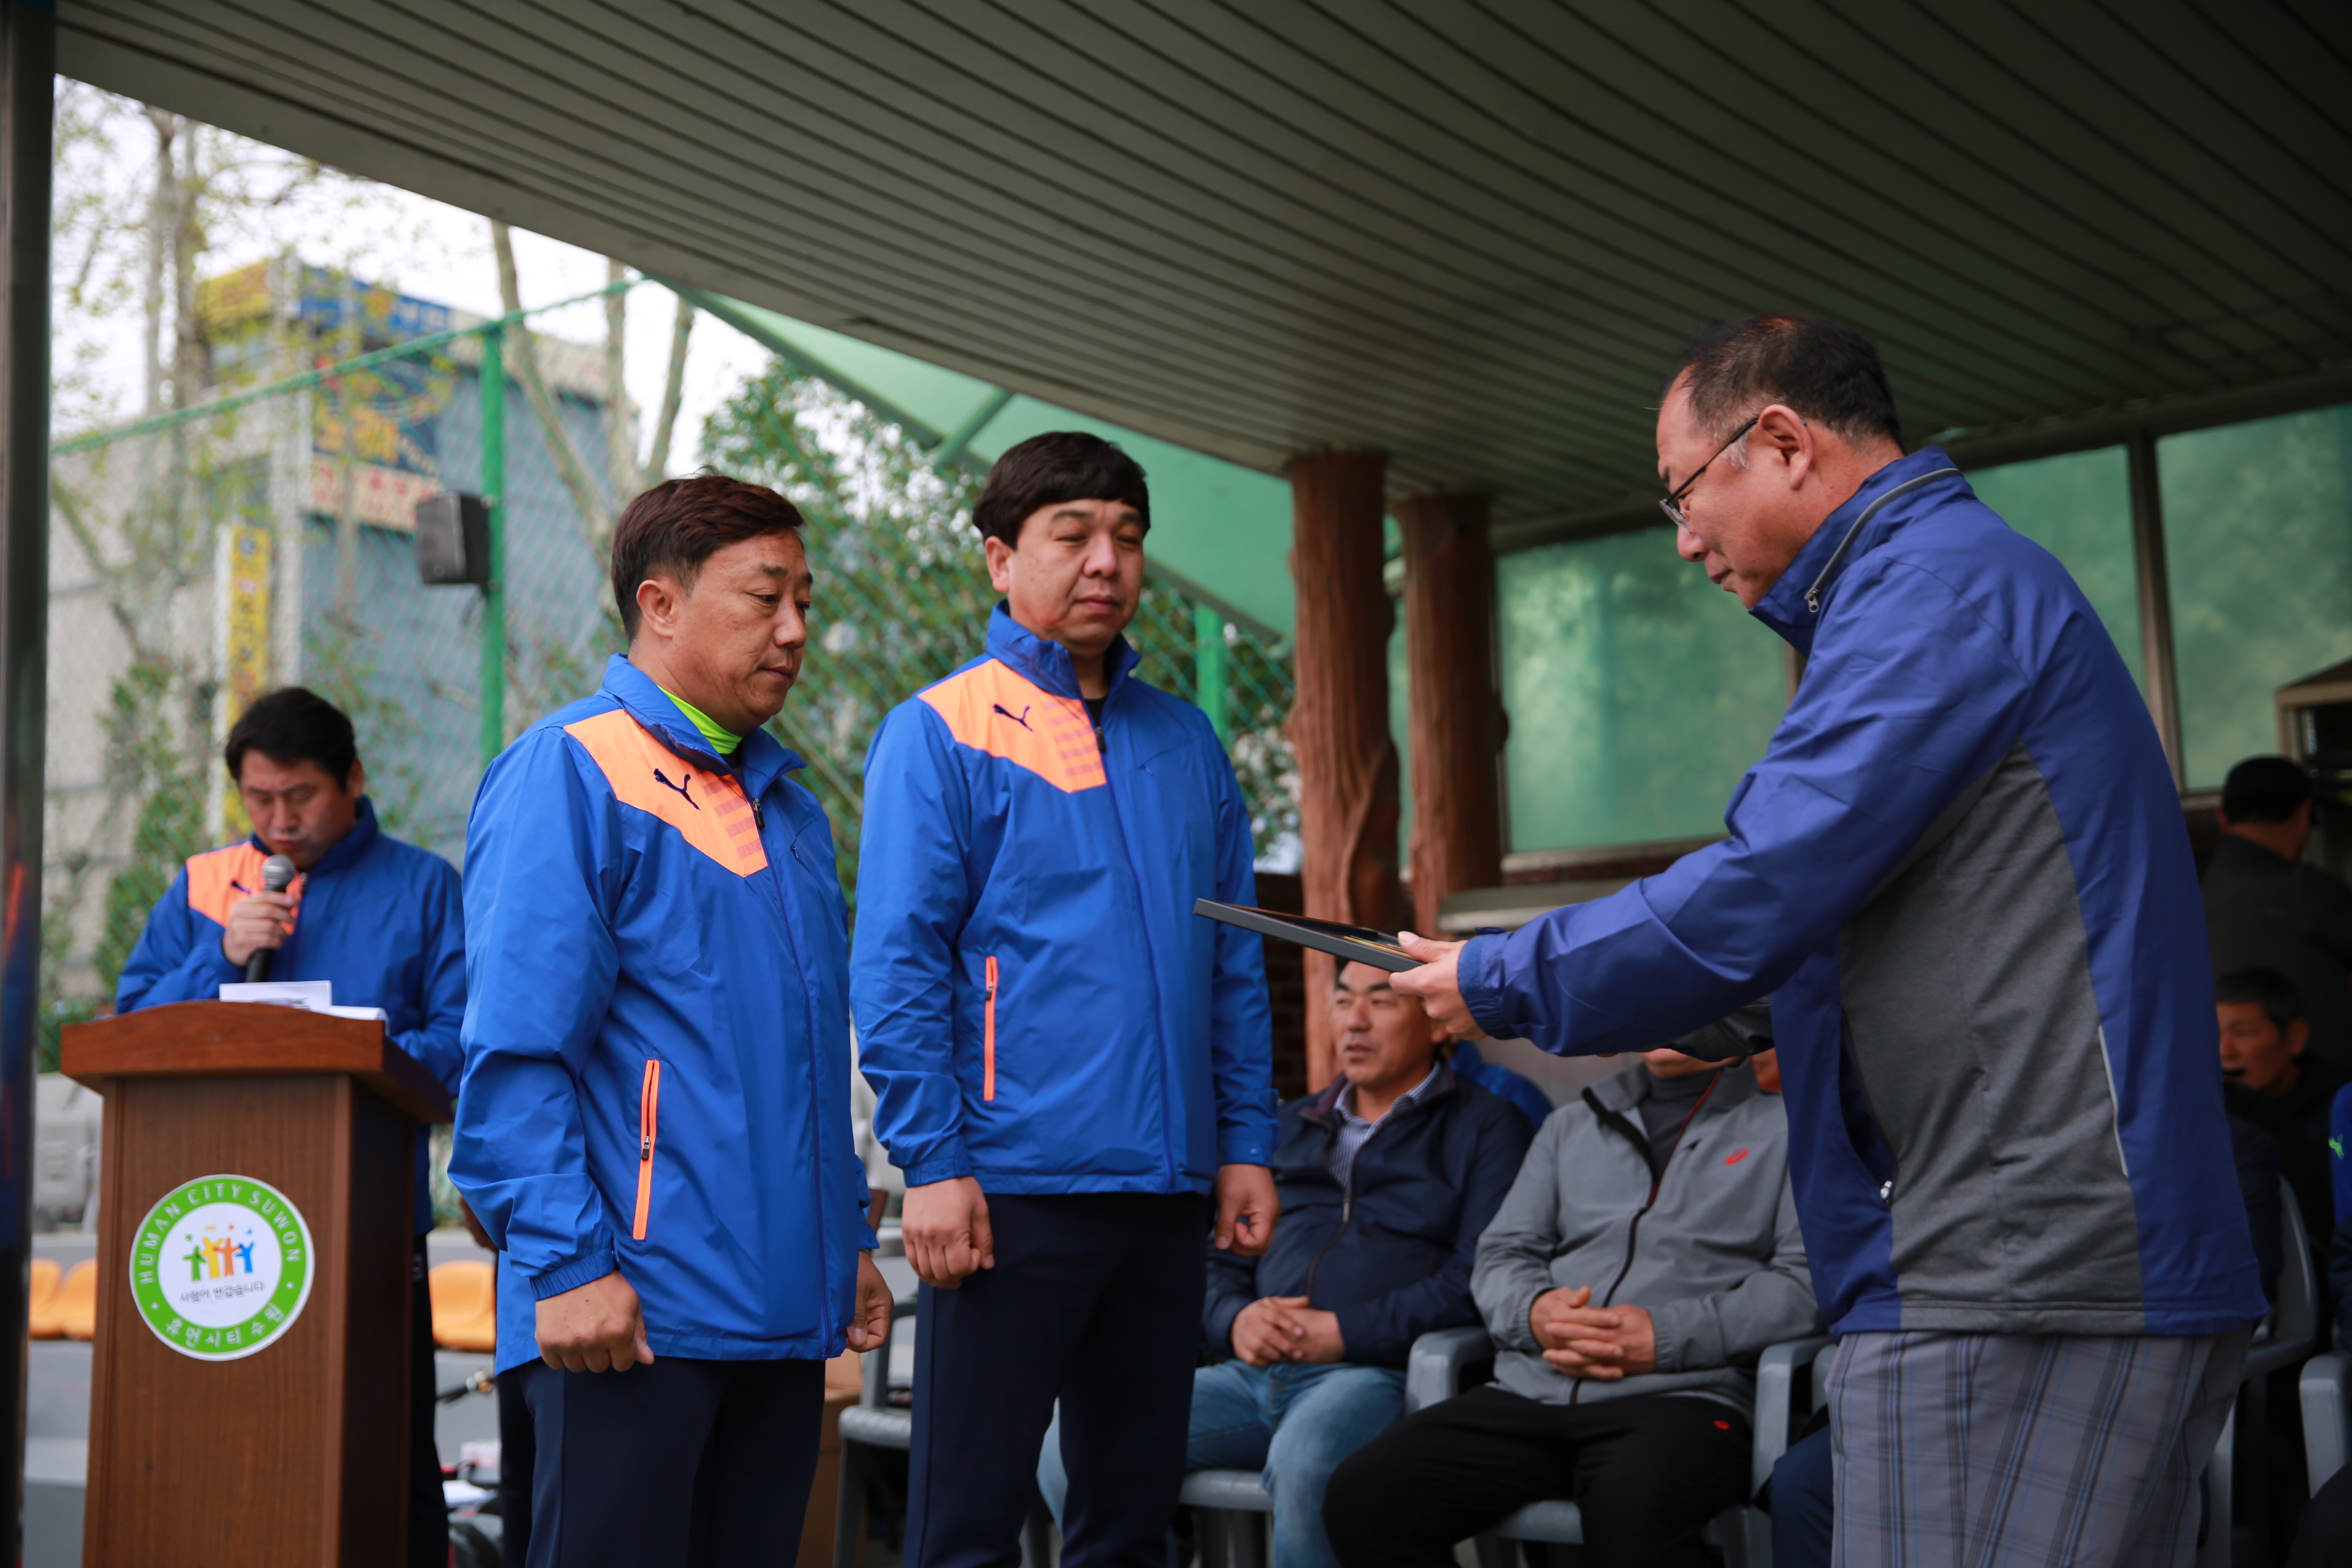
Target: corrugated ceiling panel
{"x": 1466, "y": 232}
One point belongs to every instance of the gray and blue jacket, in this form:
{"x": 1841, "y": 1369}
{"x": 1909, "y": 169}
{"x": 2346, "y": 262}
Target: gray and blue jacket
{"x": 1707, "y": 1241}
{"x": 1961, "y": 869}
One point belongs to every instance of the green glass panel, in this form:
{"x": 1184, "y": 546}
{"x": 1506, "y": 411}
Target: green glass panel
{"x": 1638, "y": 692}
{"x": 2258, "y": 540}
{"x": 2078, "y": 507}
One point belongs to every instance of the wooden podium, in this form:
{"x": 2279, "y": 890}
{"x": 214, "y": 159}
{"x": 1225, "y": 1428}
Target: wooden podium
{"x": 288, "y": 1444}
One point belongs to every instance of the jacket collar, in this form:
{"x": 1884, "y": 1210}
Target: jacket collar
{"x": 1323, "y": 1109}
{"x": 1793, "y": 607}
{"x": 1047, "y": 664}
{"x": 762, "y": 759}
{"x": 1623, "y": 1092}
{"x": 2252, "y": 853}
{"x": 343, "y": 850}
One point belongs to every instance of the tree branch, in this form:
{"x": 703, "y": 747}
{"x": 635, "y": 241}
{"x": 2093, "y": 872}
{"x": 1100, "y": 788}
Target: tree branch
{"x": 113, "y": 576}
{"x": 620, "y": 443}
{"x": 673, "y": 392}
{"x": 596, "y": 515}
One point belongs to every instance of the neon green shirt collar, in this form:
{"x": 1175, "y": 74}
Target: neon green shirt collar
{"x": 722, "y": 740}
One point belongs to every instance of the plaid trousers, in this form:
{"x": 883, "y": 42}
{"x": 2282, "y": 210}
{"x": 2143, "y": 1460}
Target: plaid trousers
{"x": 1995, "y": 1450}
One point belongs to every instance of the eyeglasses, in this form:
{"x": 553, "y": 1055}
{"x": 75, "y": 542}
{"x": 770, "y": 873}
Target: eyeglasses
{"x": 1671, "y": 505}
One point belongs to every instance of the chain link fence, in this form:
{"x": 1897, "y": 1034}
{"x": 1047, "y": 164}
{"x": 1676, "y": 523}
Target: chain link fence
{"x": 266, "y": 538}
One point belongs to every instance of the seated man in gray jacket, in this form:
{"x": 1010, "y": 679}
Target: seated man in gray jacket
{"x": 1647, "y": 1254}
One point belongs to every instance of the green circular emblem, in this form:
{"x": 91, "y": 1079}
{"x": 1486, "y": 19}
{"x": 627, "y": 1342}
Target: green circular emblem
{"x": 221, "y": 1266}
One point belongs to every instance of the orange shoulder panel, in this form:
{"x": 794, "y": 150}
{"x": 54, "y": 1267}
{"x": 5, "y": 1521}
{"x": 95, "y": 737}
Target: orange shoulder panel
{"x": 707, "y": 810}
{"x": 217, "y": 878}
{"x": 992, "y": 709}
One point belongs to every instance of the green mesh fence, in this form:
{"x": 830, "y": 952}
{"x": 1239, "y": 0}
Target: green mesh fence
{"x": 265, "y": 537}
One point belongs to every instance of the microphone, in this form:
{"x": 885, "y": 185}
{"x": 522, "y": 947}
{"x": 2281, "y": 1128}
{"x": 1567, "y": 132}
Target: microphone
{"x": 277, "y": 874}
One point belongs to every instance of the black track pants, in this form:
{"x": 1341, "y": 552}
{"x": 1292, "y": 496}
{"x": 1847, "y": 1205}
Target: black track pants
{"x": 682, "y": 1464}
{"x": 1096, "y": 1298}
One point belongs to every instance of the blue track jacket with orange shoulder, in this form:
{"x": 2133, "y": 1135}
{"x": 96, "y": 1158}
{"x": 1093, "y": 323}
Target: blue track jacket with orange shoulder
{"x": 658, "y": 1051}
{"x": 377, "y": 918}
{"x": 1037, "y": 1005}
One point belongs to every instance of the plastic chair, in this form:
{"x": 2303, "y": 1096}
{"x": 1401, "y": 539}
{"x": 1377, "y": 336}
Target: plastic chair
{"x": 74, "y": 1305}
{"x": 872, "y": 1423}
{"x": 1742, "y": 1534}
{"x": 43, "y": 1288}
{"x": 875, "y": 1423}
{"x": 465, "y": 1305}
{"x": 1234, "y": 1502}
{"x": 2282, "y": 1338}
{"x": 1436, "y": 1369}
{"x": 2326, "y": 1431}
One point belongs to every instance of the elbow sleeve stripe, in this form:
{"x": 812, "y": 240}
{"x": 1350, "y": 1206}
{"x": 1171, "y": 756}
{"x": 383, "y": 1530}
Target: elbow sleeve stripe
{"x": 992, "y": 709}
{"x": 707, "y": 810}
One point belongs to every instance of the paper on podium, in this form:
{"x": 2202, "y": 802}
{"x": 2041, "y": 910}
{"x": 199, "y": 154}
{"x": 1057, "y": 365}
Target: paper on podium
{"x": 311, "y": 995}
{"x": 315, "y": 996}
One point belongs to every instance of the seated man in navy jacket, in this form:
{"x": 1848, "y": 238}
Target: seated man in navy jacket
{"x": 378, "y": 918}
{"x": 1386, "y": 1178}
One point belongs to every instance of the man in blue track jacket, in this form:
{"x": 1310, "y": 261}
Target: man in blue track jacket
{"x": 654, "y": 1127}
{"x": 1065, "y": 1059}
{"x": 1961, "y": 870}
{"x": 377, "y": 918}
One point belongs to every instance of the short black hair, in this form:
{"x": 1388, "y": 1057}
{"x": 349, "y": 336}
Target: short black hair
{"x": 681, "y": 524}
{"x": 2265, "y": 789}
{"x": 2281, "y": 1003}
{"x": 1827, "y": 372}
{"x": 295, "y": 724}
{"x": 1045, "y": 470}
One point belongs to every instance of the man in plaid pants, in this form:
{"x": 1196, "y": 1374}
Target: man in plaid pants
{"x": 1959, "y": 870}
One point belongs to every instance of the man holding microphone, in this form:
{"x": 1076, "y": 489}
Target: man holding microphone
{"x": 1960, "y": 870}
{"x": 1067, "y": 1061}
{"x": 377, "y": 918}
{"x": 654, "y": 1127}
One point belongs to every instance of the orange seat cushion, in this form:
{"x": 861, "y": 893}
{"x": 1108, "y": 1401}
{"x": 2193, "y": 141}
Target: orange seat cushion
{"x": 43, "y": 1291}
{"x": 75, "y": 1305}
{"x": 465, "y": 1305}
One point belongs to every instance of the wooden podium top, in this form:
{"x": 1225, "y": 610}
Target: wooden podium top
{"x": 249, "y": 1040}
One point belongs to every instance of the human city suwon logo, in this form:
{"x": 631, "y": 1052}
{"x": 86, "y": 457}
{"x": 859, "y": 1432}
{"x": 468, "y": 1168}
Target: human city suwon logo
{"x": 218, "y": 1257}
{"x": 221, "y": 1266}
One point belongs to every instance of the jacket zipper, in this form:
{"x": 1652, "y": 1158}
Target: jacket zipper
{"x": 1821, "y": 582}
{"x": 1347, "y": 1210}
{"x": 648, "y": 1106}
{"x": 988, "y": 1035}
{"x": 780, "y": 879}
{"x": 1135, "y": 892}
{"x": 1657, "y": 1178}
{"x": 1348, "y": 1199}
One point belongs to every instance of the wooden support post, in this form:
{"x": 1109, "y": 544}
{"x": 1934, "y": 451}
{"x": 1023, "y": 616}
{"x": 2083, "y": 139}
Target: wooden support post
{"x": 1339, "y": 720}
{"x": 1457, "y": 712}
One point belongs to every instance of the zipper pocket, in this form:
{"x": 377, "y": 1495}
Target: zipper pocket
{"x": 988, "y": 1037}
{"x": 648, "y": 1106}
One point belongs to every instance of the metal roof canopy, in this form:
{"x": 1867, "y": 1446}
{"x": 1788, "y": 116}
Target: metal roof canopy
{"x": 1223, "y": 530}
{"x": 1471, "y": 234}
